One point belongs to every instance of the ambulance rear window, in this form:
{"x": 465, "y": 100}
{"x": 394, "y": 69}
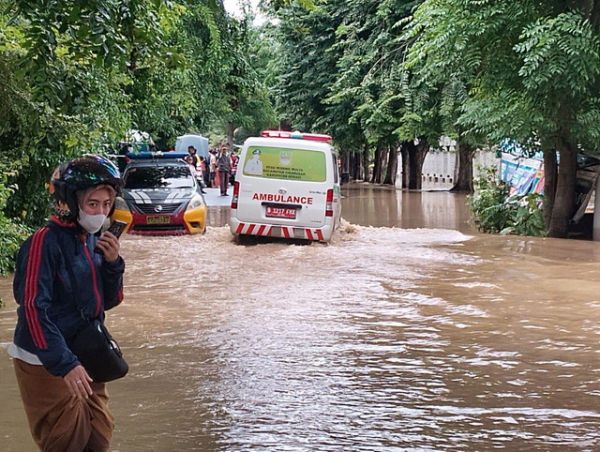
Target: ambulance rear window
{"x": 285, "y": 163}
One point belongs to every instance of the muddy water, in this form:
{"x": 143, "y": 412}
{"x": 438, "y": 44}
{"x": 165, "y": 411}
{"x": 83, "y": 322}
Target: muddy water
{"x": 421, "y": 336}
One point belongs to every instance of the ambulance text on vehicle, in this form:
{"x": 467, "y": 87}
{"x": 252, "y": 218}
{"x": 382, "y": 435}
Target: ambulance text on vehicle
{"x": 288, "y": 186}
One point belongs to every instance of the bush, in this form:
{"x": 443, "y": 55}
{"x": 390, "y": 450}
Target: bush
{"x": 12, "y": 233}
{"x": 497, "y": 212}
{"x": 11, "y": 237}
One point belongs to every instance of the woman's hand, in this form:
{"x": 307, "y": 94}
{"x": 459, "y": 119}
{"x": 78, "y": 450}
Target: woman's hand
{"x": 78, "y": 381}
{"x": 109, "y": 245}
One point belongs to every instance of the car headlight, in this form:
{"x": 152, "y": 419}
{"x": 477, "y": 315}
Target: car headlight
{"x": 195, "y": 202}
{"x": 120, "y": 204}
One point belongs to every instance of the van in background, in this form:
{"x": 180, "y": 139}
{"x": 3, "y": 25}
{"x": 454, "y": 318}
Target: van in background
{"x": 287, "y": 186}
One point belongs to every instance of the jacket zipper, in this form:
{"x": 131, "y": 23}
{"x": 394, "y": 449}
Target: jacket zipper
{"x": 94, "y": 279}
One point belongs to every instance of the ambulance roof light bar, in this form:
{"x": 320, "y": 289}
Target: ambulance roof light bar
{"x": 295, "y": 135}
{"x": 154, "y": 155}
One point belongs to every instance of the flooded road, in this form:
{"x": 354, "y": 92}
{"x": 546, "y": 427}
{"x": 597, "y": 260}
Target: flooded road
{"x": 410, "y": 331}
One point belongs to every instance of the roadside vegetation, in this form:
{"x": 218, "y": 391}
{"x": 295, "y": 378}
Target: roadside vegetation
{"x": 77, "y": 75}
{"x": 12, "y": 233}
{"x": 384, "y": 78}
{"x": 496, "y": 211}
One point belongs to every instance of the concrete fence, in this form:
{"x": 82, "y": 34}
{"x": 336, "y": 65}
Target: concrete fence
{"x": 439, "y": 167}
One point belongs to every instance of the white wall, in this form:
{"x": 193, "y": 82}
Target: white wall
{"x": 439, "y": 168}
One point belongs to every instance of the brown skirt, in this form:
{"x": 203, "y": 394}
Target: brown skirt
{"x": 57, "y": 420}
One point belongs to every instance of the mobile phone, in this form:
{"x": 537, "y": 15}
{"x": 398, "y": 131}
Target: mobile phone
{"x": 117, "y": 227}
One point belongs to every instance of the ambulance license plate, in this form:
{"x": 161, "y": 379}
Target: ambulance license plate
{"x": 158, "y": 219}
{"x": 281, "y": 212}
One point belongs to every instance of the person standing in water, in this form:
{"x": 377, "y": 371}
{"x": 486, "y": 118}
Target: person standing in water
{"x": 67, "y": 274}
{"x": 224, "y": 167}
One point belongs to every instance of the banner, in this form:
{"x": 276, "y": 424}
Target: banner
{"x": 522, "y": 175}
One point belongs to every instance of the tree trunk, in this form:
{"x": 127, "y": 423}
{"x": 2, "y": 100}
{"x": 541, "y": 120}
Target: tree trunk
{"x": 133, "y": 56}
{"x": 405, "y": 164}
{"x": 230, "y": 131}
{"x": 385, "y": 153}
{"x": 355, "y": 166}
{"x": 550, "y": 174}
{"x": 392, "y": 167}
{"x": 414, "y": 169}
{"x": 284, "y": 125}
{"x": 365, "y": 163}
{"x": 564, "y": 202}
{"x": 463, "y": 180}
{"x": 413, "y": 156}
{"x": 346, "y": 159}
{"x": 376, "y": 178}
{"x": 418, "y": 159}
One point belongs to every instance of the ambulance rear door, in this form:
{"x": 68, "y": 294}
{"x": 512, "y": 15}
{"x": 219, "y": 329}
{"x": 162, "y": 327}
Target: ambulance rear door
{"x": 284, "y": 182}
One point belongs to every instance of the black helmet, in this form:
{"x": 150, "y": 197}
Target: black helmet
{"x": 82, "y": 173}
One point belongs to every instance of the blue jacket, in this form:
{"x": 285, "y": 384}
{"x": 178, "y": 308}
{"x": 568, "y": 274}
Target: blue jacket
{"x": 59, "y": 284}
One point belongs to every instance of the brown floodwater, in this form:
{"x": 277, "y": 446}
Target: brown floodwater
{"x": 410, "y": 331}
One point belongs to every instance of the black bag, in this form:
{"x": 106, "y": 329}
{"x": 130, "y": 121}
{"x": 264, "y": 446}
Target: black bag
{"x": 98, "y": 352}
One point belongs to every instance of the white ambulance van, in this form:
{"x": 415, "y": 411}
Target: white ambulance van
{"x": 287, "y": 185}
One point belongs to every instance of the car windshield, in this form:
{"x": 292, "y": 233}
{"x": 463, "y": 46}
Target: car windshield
{"x": 159, "y": 177}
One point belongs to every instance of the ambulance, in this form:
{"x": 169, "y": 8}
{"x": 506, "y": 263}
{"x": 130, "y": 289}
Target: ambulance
{"x": 287, "y": 186}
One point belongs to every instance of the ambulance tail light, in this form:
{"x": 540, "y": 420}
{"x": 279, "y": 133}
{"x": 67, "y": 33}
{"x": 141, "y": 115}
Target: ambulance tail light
{"x": 329, "y": 204}
{"x": 236, "y": 194}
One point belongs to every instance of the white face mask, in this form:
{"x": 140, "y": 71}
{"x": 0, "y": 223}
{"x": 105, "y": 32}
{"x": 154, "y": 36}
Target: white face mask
{"x": 91, "y": 223}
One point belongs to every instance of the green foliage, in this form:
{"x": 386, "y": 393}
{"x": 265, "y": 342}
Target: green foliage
{"x": 559, "y": 53}
{"x": 171, "y": 96}
{"x": 530, "y": 70}
{"x": 64, "y": 67}
{"x": 497, "y": 212}
{"x": 307, "y": 64}
{"x": 77, "y": 75}
{"x": 12, "y": 233}
{"x": 244, "y": 100}
{"x": 560, "y": 72}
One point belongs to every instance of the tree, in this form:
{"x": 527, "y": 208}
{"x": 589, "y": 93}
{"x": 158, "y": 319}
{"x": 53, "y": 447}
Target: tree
{"x": 243, "y": 99}
{"x": 532, "y": 70}
{"x": 174, "y": 94}
{"x": 441, "y": 79}
{"x": 77, "y": 75}
{"x": 66, "y": 64}
{"x": 307, "y": 65}
{"x": 341, "y": 73}
{"x": 561, "y": 75}
{"x": 370, "y": 75}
